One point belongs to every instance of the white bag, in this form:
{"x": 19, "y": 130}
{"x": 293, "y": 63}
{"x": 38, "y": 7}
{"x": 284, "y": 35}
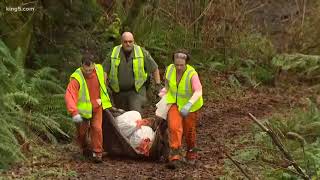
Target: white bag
{"x": 127, "y": 122}
{"x": 142, "y": 139}
{"x": 162, "y": 108}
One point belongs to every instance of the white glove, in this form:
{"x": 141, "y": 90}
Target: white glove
{"x": 77, "y": 118}
{"x": 185, "y": 110}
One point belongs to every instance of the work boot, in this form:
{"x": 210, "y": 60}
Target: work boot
{"x": 192, "y": 156}
{"x": 175, "y": 164}
{"x": 97, "y": 157}
{"x": 86, "y": 153}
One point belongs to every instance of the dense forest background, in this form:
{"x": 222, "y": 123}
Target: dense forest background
{"x": 237, "y": 46}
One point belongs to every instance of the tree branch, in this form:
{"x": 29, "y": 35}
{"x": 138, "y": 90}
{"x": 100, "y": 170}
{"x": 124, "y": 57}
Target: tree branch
{"x": 238, "y": 166}
{"x": 279, "y": 144}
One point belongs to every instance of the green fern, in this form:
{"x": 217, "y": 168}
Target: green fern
{"x": 5, "y": 51}
{"x": 20, "y": 99}
{"x": 47, "y": 73}
{"x": 46, "y": 86}
{"x": 304, "y": 125}
{"x": 9, "y": 146}
{"x": 54, "y": 103}
{"x": 299, "y": 133}
{"x": 22, "y": 115}
{"x": 304, "y": 65}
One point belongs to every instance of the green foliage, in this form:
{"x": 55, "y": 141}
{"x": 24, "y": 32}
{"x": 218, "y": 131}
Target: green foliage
{"x": 306, "y": 66}
{"x": 16, "y": 28}
{"x": 254, "y": 46}
{"x": 247, "y": 73}
{"x": 299, "y": 133}
{"x": 55, "y": 173}
{"x": 252, "y": 74}
{"x": 250, "y": 58}
{"x": 161, "y": 35}
{"x": 305, "y": 123}
{"x": 65, "y": 29}
{"x": 247, "y": 155}
{"x": 9, "y": 147}
{"x": 25, "y": 112}
{"x": 305, "y": 148}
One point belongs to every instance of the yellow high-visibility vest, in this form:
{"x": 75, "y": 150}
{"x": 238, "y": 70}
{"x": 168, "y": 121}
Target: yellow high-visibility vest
{"x": 182, "y": 92}
{"x": 84, "y": 104}
{"x": 140, "y": 76}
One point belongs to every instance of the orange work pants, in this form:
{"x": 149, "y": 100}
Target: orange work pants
{"x": 95, "y": 125}
{"x": 179, "y": 126}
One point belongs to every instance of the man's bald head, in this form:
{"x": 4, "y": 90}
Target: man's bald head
{"x": 127, "y": 41}
{"x": 126, "y": 35}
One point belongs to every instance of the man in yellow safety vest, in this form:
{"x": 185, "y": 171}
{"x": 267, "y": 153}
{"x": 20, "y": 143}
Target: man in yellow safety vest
{"x": 86, "y": 97}
{"x": 129, "y": 67}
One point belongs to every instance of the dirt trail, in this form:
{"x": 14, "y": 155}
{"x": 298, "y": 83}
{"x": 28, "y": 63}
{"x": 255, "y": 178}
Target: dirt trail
{"x": 221, "y": 123}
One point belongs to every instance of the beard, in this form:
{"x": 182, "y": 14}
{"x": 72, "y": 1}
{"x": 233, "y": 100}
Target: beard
{"x": 127, "y": 49}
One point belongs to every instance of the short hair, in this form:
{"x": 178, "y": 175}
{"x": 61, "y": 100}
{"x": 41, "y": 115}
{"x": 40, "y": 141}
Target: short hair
{"x": 87, "y": 59}
{"x": 181, "y": 53}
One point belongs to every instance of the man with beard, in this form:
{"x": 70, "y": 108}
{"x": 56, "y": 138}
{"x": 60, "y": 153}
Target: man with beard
{"x": 129, "y": 66}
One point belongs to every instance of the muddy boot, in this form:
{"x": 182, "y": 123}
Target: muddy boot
{"x": 86, "y": 153}
{"x": 97, "y": 157}
{"x": 175, "y": 158}
{"x": 192, "y": 156}
{"x": 175, "y": 164}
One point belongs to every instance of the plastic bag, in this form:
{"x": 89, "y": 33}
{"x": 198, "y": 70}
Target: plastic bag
{"x": 142, "y": 140}
{"x": 127, "y": 122}
{"x": 142, "y": 122}
{"x": 162, "y": 108}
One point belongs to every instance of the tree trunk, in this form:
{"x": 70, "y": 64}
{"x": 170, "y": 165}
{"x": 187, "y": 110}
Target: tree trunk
{"x": 128, "y": 24}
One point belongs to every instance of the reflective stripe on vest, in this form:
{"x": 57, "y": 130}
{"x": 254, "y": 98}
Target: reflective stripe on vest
{"x": 182, "y": 92}
{"x": 140, "y": 76}
{"x": 105, "y": 100}
{"x": 84, "y": 104}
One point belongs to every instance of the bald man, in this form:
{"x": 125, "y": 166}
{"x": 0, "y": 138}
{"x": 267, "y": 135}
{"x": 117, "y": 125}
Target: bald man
{"x": 129, "y": 66}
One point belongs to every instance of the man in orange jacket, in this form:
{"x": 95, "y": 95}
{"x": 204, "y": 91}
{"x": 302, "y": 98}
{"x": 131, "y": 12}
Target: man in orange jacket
{"x": 86, "y": 97}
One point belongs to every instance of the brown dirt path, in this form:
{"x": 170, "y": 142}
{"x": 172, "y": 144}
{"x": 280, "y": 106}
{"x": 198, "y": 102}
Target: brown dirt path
{"x": 221, "y": 123}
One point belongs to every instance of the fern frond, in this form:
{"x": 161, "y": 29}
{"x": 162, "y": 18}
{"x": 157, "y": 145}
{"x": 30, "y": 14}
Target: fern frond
{"x": 301, "y": 63}
{"x": 47, "y": 73}
{"x": 6, "y": 84}
{"x": 46, "y": 86}
{"x": 19, "y": 133}
{"x": 9, "y": 146}
{"x": 18, "y": 79}
{"x": 53, "y": 126}
{"x": 312, "y": 129}
{"x": 4, "y": 50}
{"x": 8, "y": 65}
{"x": 53, "y": 104}
{"x": 22, "y": 114}
{"x": 21, "y": 99}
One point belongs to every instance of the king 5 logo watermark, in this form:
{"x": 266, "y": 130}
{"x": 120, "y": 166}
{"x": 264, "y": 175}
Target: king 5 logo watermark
{"x": 19, "y": 9}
